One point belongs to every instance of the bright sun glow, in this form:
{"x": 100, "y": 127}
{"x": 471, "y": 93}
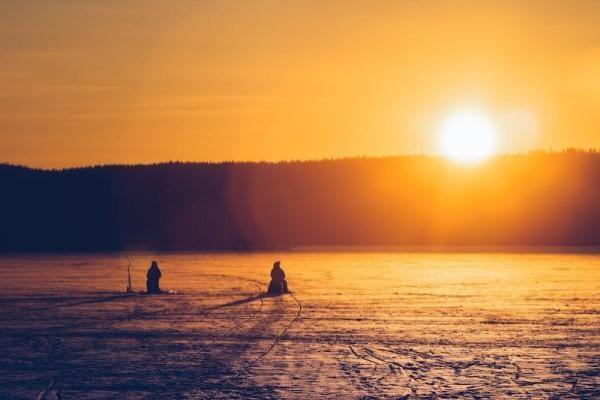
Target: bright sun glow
{"x": 467, "y": 137}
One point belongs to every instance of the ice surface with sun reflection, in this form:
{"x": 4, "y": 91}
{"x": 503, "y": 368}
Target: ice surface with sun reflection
{"x": 360, "y": 325}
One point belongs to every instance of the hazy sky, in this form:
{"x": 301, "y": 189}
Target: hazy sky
{"x": 86, "y": 82}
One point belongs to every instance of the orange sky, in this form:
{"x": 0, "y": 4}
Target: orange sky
{"x": 142, "y": 81}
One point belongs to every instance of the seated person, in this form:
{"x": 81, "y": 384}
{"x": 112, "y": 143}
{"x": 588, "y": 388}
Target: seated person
{"x": 153, "y": 277}
{"x": 278, "y": 283}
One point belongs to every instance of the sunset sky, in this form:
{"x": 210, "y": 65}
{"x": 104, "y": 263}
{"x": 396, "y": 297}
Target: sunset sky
{"x": 87, "y": 82}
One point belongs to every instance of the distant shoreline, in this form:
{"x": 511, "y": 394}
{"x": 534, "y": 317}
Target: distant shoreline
{"x": 452, "y": 249}
{"x": 512, "y": 203}
{"x": 337, "y": 249}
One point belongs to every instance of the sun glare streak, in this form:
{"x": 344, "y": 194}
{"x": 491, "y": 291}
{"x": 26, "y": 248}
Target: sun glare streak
{"x": 467, "y": 137}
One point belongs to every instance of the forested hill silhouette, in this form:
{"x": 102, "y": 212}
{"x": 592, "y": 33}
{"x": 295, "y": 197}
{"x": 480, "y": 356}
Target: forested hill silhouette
{"x": 534, "y": 199}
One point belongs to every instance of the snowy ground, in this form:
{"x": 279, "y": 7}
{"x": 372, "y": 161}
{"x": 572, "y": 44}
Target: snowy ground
{"x": 362, "y": 325}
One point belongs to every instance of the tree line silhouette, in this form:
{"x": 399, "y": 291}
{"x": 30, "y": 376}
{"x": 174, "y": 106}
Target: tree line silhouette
{"x": 550, "y": 199}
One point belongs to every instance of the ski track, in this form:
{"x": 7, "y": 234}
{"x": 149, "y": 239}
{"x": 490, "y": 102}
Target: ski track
{"x": 374, "y": 326}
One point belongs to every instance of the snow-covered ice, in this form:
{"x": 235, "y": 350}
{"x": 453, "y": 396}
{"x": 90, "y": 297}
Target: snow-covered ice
{"x": 359, "y": 325}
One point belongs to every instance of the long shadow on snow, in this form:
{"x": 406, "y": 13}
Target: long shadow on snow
{"x": 95, "y": 300}
{"x": 234, "y": 302}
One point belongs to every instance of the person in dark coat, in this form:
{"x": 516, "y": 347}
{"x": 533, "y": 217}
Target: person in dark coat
{"x": 153, "y": 277}
{"x": 278, "y": 283}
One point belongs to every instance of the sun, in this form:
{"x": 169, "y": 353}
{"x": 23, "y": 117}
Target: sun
{"x": 467, "y": 137}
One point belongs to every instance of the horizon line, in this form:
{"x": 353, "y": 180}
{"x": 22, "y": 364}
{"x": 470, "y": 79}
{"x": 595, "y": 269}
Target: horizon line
{"x": 579, "y": 150}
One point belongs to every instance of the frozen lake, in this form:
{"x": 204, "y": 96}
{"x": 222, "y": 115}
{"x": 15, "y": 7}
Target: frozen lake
{"x": 359, "y": 325}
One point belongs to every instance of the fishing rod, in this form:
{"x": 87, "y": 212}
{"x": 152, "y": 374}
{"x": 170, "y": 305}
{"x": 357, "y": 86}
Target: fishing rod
{"x": 129, "y": 289}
